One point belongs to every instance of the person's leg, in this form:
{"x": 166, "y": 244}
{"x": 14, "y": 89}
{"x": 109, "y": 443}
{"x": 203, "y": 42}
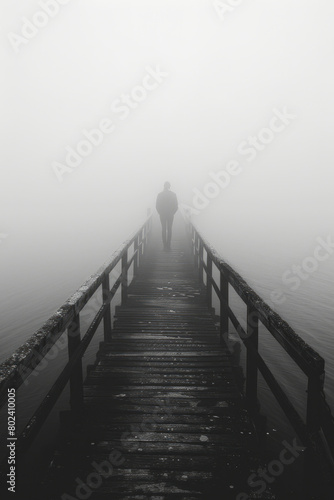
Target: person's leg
{"x": 164, "y": 230}
{"x": 169, "y": 230}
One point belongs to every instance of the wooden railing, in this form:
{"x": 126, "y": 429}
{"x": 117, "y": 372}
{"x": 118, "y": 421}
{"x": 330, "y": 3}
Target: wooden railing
{"x": 26, "y": 358}
{"x": 317, "y": 430}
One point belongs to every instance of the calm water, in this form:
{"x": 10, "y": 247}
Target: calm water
{"x": 309, "y": 309}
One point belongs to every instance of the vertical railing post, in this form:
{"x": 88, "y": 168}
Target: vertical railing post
{"x": 208, "y": 280}
{"x": 148, "y": 227}
{"x": 124, "y": 291}
{"x": 224, "y": 303}
{"x": 196, "y": 251}
{"x": 313, "y": 425}
{"x": 200, "y": 261}
{"x": 192, "y": 240}
{"x": 135, "y": 262}
{"x": 141, "y": 244}
{"x": 252, "y": 344}
{"x": 143, "y": 236}
{"x": 314, "y": 388}
{"x": 76, "y": 379}
{"x": 107, "y": 314}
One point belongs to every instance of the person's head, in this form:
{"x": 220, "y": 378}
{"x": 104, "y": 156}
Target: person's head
{"x": 167, "y": 185}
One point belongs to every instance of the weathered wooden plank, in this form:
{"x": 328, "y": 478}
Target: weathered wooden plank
{"x": 211, "y": 407}
{"x": 139, "y": 367}
{"x": 172, "y": 393}
{"x": 113, "y": 431}
{"x": 203, "y": 366}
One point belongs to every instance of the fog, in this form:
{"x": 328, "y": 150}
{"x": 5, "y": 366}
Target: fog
{"x": 209, "y": 82}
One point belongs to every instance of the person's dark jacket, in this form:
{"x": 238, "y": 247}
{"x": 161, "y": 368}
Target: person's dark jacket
{"x": 166, "y": 204}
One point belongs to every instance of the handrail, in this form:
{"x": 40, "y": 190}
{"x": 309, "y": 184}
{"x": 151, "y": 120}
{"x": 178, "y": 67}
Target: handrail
{"x": 317, "y": 432}
{"x": 26, "y": 358}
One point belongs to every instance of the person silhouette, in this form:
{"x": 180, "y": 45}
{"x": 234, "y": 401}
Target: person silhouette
{"x": 166, "y": 206}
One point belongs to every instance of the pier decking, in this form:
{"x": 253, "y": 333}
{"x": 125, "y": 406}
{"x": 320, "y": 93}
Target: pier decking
{"x": 163, "y": 394}
{"x": 162, "y": 413}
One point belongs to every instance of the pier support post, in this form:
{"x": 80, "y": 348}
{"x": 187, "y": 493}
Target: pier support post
{"x": 124, "y": 291}
{"x": 196, "y": 253}
{"x": 208, "y": 280}
{"x": 252, "y": 344}
{"x": 135, "y": 262}
{"x": 314, "y": 388}
{"x": 142, "y": 241}
{"x": 223, "y": 307}
{"x": 200, "y": 261}
{"x": 107, "y": 315}
{"x": 192, "y": 241}
{"x": 76, "y": 379}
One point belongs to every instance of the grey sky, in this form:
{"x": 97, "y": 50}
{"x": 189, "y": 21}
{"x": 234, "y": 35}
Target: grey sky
{"x": 225, "y": 77}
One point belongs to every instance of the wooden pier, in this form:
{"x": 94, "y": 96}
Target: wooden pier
{"x": 163, "y": 393}
{"x": 161, "y": 413}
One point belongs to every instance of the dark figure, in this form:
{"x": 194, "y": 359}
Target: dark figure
{"x": 166, "y": 206}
